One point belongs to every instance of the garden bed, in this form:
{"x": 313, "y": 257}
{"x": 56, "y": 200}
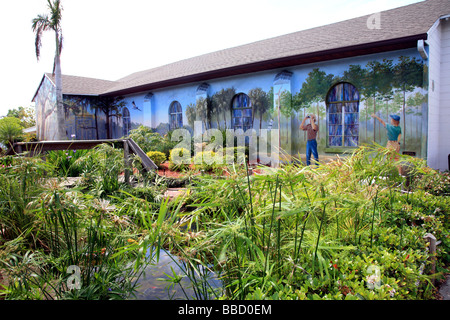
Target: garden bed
{"x": 337, "y": 231}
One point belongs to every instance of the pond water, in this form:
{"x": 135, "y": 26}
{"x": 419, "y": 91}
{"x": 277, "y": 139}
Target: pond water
{"x": 154, "y": 283}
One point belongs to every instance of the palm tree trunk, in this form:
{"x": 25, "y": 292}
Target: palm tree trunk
{"x": 60, "y": 116}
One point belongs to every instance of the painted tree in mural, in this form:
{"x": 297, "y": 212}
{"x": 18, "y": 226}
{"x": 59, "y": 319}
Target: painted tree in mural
{"x": 372, "y": 87}
{"x": 414, "y": 102}
{"x": 40, "y": 24}
{"x": 260, "y": 104}
{"x": 111, "y": 107}
{"x": 407, "y": 75}
{"x": 215, "y": 113}
{"x": 191, "y": 114}
{"x": 202, "y": 111}
{"x": 77, "y": 106}
{"x": 287, "y": 110}
{"x": 385, "y": 89}
{"x": 315, "y": 89}
{"x": 222, "y": 103}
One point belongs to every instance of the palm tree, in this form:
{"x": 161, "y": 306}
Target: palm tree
{"x": 40, "y": 24}
{"x": 260, "y": 103}
{"x": 191, "y": 114}
{"x": 202, "y": 111}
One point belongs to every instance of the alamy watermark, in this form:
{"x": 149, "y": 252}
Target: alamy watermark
{"x": 263, "y": 148}
{"x": 374, "y": 21}
{"x": 74, "y": 280}
{"x": 373, "y": 278}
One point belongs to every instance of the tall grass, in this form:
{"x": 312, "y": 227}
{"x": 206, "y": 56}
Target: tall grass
{"x": 273, "y": 233}
{"x": 49, "y": 231}
{"x": 293, "y": 232}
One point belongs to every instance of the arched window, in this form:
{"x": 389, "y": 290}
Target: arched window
{"x": 126, "y": 122}
{"x": 343, "y": 115}
{"x": 175, "y": 115}
{"x": 242, "y": 112}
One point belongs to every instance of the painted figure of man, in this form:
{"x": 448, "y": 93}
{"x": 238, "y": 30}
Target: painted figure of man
{"x": 311, "y": 145}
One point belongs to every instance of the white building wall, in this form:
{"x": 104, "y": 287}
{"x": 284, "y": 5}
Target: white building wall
{"x": 445, "y": 96}
{"x": 439, "y": 96}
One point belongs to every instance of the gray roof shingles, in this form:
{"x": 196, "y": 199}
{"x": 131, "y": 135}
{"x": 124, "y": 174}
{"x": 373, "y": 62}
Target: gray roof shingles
{"x": 74, "y": 85}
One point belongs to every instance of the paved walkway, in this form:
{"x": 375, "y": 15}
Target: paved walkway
{"x": 173, "y": 193}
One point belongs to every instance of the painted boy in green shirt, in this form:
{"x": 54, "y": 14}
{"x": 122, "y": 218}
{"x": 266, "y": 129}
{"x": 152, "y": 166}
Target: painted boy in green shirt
{"x": 394, "y": 134}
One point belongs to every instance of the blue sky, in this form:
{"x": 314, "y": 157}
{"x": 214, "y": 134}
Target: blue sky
{"x": 110, "y": 39}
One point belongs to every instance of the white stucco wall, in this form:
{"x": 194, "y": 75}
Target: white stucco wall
{"x": 439, "y": 95}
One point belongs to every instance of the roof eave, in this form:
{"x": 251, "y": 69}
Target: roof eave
{"x": 313, "y": 57}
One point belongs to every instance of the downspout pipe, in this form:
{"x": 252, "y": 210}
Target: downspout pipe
{"x": 421, "y": 49}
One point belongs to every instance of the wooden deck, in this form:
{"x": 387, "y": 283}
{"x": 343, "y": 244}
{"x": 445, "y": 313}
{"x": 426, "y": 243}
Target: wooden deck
{"x": 128, "y": 145}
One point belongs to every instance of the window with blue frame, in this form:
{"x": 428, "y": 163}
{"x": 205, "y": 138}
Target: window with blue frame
{"x": 343, "y": 116}
{"x": 175, "y": 115}
{"x": 242, "y": 112}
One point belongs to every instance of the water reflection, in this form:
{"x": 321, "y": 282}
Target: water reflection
{"x": 154, "y": 284}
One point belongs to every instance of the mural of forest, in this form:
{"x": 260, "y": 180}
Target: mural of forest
{"x": 45, "y": 103}
{"x": 86, "y": 118}
{"x": 342, "y": 95}
{"x": 382, "y": 88}
{"x": 90, "y": 118}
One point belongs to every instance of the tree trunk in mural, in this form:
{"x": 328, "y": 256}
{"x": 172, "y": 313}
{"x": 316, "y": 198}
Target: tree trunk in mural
{"x": 374, "y": 120}
{"x": 404, "y": 116}
{"x": 96, "y": 124}
{"x": 108, "y": 126}
{"x": 107, "y": 105}
{"x": 318, "y": 121}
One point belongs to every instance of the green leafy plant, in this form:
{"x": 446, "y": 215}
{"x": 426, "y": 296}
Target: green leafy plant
{"x": 10, "y": 131}
{"x": 157, "y": 157}
{"x": 179, "y": 159}
{"x": 65, "y": 162}
{"x": 152, "y": 141}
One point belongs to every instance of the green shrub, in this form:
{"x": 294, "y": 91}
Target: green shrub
{"x": 65, "y": 162}
{"x": 152, "y": 141}
{"x": 10, "y": 131}
{"x": 207, "y": 161}
{"x": 157, "y": 157}
{"x": 179, "y": 159}
{"x": 238, "y": 152}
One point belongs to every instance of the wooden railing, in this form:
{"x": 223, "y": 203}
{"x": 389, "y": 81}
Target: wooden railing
{"x": 128, "y": 145}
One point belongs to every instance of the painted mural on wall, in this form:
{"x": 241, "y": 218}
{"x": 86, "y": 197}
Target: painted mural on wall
{"x": 86, "y": 118}
{"x": 343, "y": 95}
{"x": 45, "y": 103}
{"x": 343, "y": 104}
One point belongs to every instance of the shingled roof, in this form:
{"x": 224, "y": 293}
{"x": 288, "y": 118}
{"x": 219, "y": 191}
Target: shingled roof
{"x": 399, "y": 28}
{"x": 73, "y": 85}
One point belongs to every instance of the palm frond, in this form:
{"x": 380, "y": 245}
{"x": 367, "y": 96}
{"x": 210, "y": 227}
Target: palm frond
{"x": 39, "y": 25}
